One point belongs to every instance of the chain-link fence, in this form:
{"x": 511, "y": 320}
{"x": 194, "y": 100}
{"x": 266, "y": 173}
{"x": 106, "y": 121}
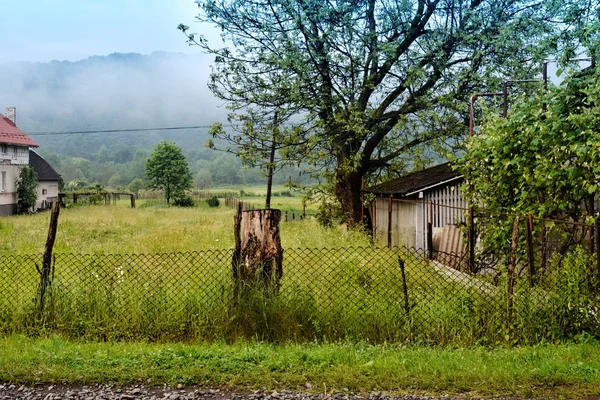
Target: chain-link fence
{"x": 375, "y": 294}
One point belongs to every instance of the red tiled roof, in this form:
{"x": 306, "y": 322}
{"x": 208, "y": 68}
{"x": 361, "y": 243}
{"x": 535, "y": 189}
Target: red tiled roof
{"x": 10, "y": 134}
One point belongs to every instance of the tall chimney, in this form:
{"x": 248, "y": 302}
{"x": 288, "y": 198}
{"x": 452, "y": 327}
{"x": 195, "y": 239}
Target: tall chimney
{"x": 11, "y": 113}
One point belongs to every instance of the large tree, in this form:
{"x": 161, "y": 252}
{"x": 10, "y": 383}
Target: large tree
{"x": 168, "y": 170}
{"x": 375, "y": 79}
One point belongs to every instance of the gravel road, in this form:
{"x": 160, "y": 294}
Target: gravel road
{"x": 141, "y": 392}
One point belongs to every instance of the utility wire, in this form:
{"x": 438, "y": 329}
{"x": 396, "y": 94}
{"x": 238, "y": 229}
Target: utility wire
{"x": 171, "y": 128}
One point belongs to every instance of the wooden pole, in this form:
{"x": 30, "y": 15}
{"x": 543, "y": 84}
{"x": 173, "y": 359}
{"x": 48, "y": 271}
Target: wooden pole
{"x": 529, "y": 243}
{"x": 404, "y": 286}
{"x": 430, "y": 232}
{"x": 389, "y": 233}
{"x": 132, "y": 198}
{"x": 271, "y": 162}
{"x": 237, "y": 251}
{"x": 47, "y": 260}
{"x": 543, "y": 246}
{"x": 597, "y": 234}
{"x": 362, "y": 200}
{"x": 511, "y": 273}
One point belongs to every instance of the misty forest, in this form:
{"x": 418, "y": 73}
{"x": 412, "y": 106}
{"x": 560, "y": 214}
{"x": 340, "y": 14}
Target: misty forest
{"x": 57, "y": 100}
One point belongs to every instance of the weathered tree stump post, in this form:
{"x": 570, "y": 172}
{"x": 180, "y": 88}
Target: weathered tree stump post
{"x": 258, "y": 255}
{"x": 132, "y": 198}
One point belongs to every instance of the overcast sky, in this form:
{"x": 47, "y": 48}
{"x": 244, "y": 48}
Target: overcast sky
{"x": 45, "y": 30}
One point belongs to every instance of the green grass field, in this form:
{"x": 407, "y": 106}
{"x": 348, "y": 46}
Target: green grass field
{"x": 545, "y": 371}
{"x": 120, "y": 229}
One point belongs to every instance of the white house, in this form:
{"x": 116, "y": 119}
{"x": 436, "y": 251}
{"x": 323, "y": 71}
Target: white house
{"x": 48, "y": 181}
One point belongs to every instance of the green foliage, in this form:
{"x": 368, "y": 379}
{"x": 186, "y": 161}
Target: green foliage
{"x": 375, "y": 81}
{"x": 577, "y": 295}
{"x": 135, "y": 185}
{"x": 184, "y": 201}
{"x": 544, "y": 159}
{"x": 168, "y": 170}
{"x": 213, "y": 201}
{"x": 27, "y": 184}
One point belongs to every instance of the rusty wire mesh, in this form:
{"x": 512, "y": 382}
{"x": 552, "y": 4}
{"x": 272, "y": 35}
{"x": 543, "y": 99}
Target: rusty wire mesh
{"x": 370, "y": 293}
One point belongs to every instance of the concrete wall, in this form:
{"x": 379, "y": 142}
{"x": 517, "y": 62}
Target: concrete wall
{"x": 8, "y": 209}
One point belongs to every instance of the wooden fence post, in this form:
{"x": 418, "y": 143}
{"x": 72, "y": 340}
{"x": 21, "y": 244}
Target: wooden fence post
{"x": 512, "y": 263}
{"x": 543, "y": 246}
{"x": 430, "y": 232}
{"x": 404, "y": 286}
{"x": 389, "y": 233}
{"x": 132, "y": 198}
{"x": 471, "y": 241}
{"x": 47, "y": 260}
{"x": 597, "y": 234}
{"x": 529, "y": 243}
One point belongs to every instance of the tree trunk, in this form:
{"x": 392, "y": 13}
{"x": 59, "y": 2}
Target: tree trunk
{"x": 271, "y": 163}
{"x": 348, "y": 190}
{"x": 261, "y": 256}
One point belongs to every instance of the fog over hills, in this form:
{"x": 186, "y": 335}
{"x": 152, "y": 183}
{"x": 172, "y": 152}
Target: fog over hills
{"x": 110, "y": 92}
{"x": 120, "y": 91}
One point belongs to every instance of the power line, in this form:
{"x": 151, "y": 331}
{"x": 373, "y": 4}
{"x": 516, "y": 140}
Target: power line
{"x": 171, "y": 128}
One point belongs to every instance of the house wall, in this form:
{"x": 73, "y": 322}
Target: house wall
{"x": 8, "y": 196}
{"x": 47, "y": 192}
{"x": 11, "y": 158}
{"x": 16, "y": 155}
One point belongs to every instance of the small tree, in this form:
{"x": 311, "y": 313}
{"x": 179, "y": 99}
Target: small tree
{"x": 168, "y": 170}
{"x": 135, "y": 185}
{"x": 26, "y": 189}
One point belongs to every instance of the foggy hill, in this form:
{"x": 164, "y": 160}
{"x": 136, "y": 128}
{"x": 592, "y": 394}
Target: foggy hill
{"x": 122, "y": 91}
{"x": 111, "y": 92}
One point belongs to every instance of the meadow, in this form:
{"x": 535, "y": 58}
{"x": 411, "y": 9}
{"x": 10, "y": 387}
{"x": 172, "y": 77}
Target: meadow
{"x": 157, "y": 229}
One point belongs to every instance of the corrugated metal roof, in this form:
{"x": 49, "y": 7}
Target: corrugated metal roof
{"x": 10, "y": 134}
{"x": 415, "y": 181}
{"x": 44, "y": 171}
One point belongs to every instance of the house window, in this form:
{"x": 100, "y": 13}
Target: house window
{"x": 3, "y": 182}
{"x": 15, "y": 152}
{"x": 44, "y": 191}
{"x": 3, "y": 149}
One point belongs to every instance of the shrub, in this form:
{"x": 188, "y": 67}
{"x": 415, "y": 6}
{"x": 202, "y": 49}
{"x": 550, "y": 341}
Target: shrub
{"x": 184, "y": 201}
{"x": 286, "y": 193}
{"x": 213, "y": 201}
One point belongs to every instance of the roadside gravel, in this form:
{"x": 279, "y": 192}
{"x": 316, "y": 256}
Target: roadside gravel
{"x": 141, "y": 392}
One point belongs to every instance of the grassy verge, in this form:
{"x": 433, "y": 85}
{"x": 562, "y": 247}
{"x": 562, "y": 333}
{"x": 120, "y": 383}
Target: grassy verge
{"x": 571, "y": 370}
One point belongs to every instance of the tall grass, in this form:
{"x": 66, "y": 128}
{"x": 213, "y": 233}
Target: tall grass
{"x": 325, "y": 295}
{"x": 120, "y": 229}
